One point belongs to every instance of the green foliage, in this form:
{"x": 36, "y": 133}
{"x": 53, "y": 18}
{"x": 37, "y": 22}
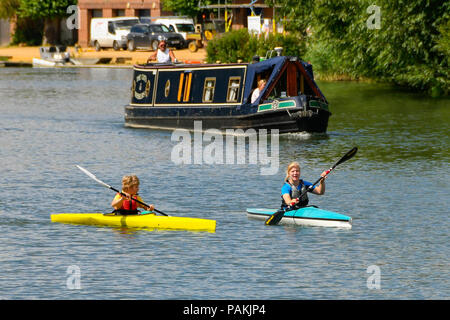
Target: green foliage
{"x": 29, "y": 32}
{"x": 31, "y": 15}
{"x": 232, "y": 46}
{"x": 8, "y": 8}
{"x": 292, "y": 44}
{"x": 327, "y": 62}
{"x": 44, "y": 8}
{"x": 410, "y": 48}
{"x": 183, "y": 7}
{"x": 240, "y": 45}
{"x": 296, "y": 15}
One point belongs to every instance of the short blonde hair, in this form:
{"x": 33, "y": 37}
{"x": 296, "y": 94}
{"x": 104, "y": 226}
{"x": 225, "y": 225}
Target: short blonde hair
{"x": 129, "y": 181}
{"x": 290, "y": 166}
{"x": 261, "y": 81}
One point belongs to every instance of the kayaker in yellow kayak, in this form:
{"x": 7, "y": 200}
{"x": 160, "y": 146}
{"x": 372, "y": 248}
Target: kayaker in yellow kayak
{"x": 126, "y": 205}
{"x": 294, "y": 187}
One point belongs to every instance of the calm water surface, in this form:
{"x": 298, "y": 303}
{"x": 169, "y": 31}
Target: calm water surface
{"x": 396, "y": 190}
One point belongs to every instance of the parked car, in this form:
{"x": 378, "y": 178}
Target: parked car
{"x": 183, "y": 25}
{"x": 144, "y": 36}
{"x": 111, "y": 32}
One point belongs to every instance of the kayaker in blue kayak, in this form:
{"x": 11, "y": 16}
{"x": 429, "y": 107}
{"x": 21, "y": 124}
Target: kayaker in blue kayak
{"x": 294, "y": 187}
{"x": 126, "y": 205}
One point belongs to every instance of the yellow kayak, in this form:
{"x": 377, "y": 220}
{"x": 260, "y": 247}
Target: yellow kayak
{"x": 147, "y": 221}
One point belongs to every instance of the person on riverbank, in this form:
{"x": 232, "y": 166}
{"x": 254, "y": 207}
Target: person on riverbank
{"x": 294, "y": 187}
{"x": 125, "y": 203}
{"x": 257, "y": 91}
{"x": 162, "y": 54}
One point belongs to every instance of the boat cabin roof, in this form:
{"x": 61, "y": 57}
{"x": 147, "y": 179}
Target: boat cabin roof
{"x": 288, "y": 75}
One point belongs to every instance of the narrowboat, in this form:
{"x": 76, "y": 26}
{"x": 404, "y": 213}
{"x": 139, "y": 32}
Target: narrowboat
{"x": 171, "y": 96}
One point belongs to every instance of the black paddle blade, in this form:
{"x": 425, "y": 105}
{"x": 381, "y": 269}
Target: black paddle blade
{"x": 347, "y": 156}
{"x": 275, "y": 218}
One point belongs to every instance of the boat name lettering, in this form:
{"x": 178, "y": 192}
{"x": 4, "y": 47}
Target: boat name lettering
{"x": 276, "y": 104}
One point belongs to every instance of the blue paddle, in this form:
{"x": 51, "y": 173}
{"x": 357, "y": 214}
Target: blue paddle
{"x": 275, "y": 218}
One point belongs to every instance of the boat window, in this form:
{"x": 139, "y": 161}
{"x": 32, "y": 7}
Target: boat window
{"x": 233, "y": 89}
{"x": 303, "y": 86}
{"x": 280, "y": 88}
{"x": 208, "y": 89}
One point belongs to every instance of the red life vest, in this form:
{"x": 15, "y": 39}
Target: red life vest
{"x": 129, "y": 205}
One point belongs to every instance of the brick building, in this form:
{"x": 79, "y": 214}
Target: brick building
{"x": 89, "y": 9}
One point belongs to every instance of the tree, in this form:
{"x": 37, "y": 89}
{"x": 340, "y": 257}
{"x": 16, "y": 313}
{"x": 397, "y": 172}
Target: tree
{"x": 296, "y": 15}
{"x": 409, "y": 47}
{"x": 8, "y": 8}
{"x": 184, "y": 7}
{"x": 51, "y": 11}
{"x": 27, "y": 30}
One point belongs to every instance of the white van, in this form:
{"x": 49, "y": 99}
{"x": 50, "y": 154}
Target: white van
{"x": 111, "y": 32}
{"x": 178, "y": 24}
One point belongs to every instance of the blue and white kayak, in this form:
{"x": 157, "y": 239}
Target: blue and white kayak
{"x": 307, "y": 216}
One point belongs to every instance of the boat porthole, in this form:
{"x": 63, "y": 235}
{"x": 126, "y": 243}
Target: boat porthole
{"x": 139, "y": 91}
{"x": 167, "y": 88}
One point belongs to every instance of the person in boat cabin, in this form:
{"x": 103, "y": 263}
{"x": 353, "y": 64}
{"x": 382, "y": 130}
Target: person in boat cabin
{"x": 294, "y": 186}
{"x": 162, "y": 54}
{"x": 257, "y": 91}
{"x": 126, "y": 204}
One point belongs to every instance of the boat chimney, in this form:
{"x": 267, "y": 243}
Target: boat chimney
{"x": 278, "y": 50}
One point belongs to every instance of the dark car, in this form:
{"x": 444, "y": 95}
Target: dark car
{"x": 144, "y": 36}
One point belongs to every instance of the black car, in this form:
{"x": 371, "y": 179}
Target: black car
{"x": 144, "y": 36}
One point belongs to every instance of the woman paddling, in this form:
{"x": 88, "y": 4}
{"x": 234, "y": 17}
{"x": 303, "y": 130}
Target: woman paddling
{"x": 294, "y": 187}
{"x": 126, "y": 204}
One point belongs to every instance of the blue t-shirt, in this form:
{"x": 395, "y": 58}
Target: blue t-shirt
{"x": 287, "y": 188}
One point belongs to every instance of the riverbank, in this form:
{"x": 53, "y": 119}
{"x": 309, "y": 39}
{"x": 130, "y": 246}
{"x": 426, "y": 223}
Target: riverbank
{"x": 17, "y": 54}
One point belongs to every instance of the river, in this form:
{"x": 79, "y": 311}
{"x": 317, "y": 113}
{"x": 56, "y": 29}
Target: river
{"x": 396, "y": 190}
